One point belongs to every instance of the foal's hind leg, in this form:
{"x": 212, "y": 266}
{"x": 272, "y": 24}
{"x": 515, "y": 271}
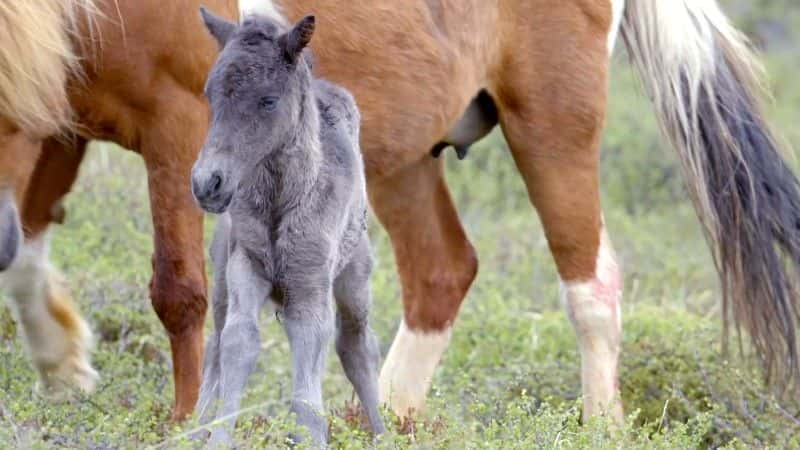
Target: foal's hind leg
{"x": 437, "y": 265}
{"x": 57, "y": 337}
{"x": 356, "y": 344}
{"x": 552, "y": 108}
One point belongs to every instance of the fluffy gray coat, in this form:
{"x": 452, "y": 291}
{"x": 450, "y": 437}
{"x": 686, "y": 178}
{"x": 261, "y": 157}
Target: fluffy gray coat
{"x": 283, "y": 165}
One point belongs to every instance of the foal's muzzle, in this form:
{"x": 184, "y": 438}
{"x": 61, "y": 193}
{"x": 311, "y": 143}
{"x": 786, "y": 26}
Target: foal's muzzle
{"x": 209, "y": 191}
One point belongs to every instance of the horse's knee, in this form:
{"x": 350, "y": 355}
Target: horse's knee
{"x": 178, "y": 294}
{"x": 435, "y": 296}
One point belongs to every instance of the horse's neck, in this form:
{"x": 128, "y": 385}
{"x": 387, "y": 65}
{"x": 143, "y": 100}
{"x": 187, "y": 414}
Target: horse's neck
{"x": 286, "y": 179}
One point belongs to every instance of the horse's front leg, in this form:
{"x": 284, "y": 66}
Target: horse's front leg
{"x": 18, "y": 156}
{"x": 239, "y": 342}
{"x": 178, "y": 284}
{"x": 10, "y": 229}
{"x": 56, "y": 336}
{"x": 308, "y": 321}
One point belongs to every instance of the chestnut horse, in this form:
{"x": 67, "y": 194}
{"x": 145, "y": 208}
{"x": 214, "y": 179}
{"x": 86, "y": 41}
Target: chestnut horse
{"x": 414, "y": 67}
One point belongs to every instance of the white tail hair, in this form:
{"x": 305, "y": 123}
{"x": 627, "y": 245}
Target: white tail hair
{"x": 705, "y": 84}
{"x": 36, "y": 60}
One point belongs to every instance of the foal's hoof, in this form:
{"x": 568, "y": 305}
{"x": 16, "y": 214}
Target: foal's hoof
{"x": 295, "y": 439}
{"x": 220, "y": 438}
{"x": 199, "y": 438}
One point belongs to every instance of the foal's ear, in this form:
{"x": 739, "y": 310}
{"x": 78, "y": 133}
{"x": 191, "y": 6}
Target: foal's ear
{"x": 298, "y": 37}
{"x": 221, "y": 29}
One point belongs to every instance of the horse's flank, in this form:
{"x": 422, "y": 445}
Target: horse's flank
{"x": 37, "y": 58}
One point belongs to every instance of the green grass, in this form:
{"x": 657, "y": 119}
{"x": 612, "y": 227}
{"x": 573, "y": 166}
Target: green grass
{"x": 511, "y": 376}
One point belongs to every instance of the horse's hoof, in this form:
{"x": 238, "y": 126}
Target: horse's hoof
{"x": 80, "y": 374}
{"x": 71, "y": 375}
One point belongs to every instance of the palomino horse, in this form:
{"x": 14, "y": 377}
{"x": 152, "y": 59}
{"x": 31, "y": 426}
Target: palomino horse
{"x": 414, "y": 67}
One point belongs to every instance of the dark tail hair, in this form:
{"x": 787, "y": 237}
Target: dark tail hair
{"x": 703, "y": 80}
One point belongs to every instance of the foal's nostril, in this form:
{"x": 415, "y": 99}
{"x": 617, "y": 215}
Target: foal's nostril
{"x": 215, "y": 183}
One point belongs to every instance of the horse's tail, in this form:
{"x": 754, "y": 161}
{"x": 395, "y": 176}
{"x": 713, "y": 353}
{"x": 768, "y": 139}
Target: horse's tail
{"x": 36, "y": 60}
{"x": 704, "y": 83}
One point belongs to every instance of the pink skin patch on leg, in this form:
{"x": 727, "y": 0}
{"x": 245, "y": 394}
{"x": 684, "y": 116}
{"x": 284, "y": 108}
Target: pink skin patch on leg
{"x": 594, "y": 310}
{"x": 607, "y": 284}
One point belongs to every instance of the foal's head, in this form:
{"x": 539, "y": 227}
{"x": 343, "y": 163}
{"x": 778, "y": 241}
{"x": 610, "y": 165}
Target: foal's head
{"x": 256, "y": 91}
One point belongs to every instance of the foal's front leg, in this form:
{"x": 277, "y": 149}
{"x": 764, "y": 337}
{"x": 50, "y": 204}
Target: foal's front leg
{"x": 209, "y": 389}
{"x": 308, "y": 321}
{"x": 240, "y": 340}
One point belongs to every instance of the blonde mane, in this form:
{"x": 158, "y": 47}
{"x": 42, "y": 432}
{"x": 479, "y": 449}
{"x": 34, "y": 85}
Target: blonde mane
{"x": 36, "y": 60}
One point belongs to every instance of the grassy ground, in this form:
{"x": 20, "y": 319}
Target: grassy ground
{"x": 510, "y": 378}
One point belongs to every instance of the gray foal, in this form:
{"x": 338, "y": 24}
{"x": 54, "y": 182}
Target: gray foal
{"x": 282, "y": 162}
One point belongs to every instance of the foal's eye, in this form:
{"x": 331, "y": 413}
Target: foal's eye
{"x": 268, "y": 103}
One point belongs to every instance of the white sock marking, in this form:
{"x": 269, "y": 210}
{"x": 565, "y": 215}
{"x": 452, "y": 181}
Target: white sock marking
{"x": 594, "y": 310}
{"x": 409, "y": 367}
{"x": 59, "y": 355}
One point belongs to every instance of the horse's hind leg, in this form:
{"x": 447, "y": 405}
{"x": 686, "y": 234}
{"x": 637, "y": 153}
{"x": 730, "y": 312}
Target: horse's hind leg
{"x": 437, "y": 265}
{"x": 552, "y": 100}
{"x": 356, "y": 344}
{"x": 209, "y": 389}
{"x": 56, "y": 336}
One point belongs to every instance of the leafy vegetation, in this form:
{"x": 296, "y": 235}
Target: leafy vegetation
{"x": 510, "y": 378}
